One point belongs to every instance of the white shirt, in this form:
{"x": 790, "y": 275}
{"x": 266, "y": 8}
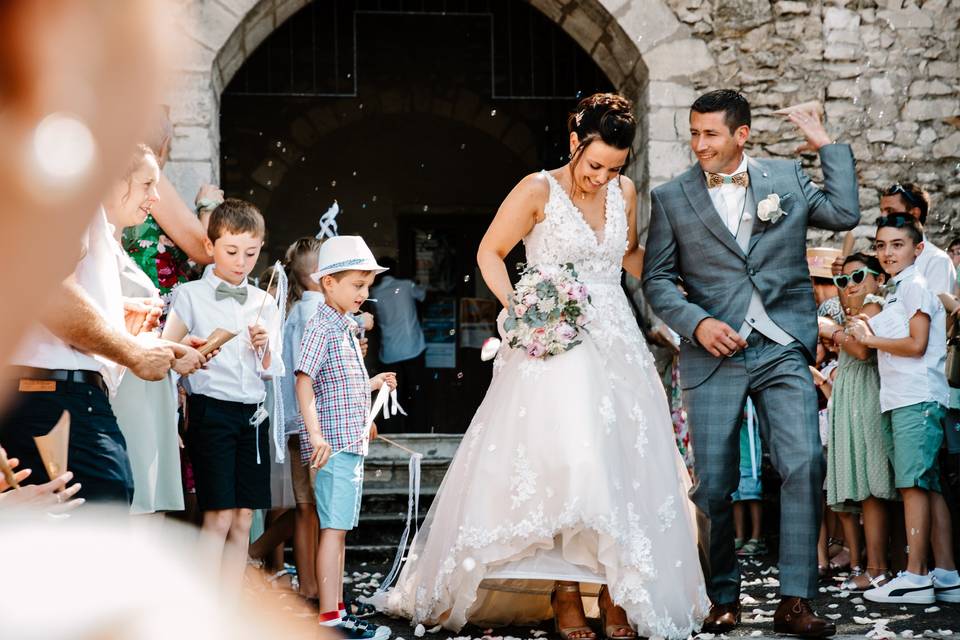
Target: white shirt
{"x": 397, "y": 318}
{"x": 235, "y": 374}
{"x": 937, "y": 268}
{"x": 908, "y": 381}
{"x": 300, "y": 313}
{"x": 730, "y": 200}
{"x": 98, "y": 274}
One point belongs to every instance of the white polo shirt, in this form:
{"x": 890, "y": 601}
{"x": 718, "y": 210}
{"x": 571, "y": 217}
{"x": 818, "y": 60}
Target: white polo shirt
{"x": 937, "y": 268}
{"x": 236, "y": 373}
{"x": 98, "y": 274}
{"x": 908, "y": 381}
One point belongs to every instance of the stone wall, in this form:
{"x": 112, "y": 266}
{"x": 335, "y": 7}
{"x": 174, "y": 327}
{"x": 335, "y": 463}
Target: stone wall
{"x": 887, "y": 72}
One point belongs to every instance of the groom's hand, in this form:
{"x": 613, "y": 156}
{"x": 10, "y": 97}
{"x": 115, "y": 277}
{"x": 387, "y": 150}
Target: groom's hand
{"x": 718, "y": 338}
{"x": 814, "y": 133}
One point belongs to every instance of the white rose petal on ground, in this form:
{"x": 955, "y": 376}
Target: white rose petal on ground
{"x": 419, "y": 631}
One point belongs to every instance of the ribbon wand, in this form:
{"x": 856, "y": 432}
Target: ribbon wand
{"x": 273, "y": 275}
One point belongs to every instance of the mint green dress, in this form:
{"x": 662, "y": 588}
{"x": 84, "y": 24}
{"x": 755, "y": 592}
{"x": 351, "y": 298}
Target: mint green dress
{"x": 857, "y": 463}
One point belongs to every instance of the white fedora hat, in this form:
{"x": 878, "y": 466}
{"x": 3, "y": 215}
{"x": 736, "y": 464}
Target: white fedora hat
{"x": 345, "y": 253}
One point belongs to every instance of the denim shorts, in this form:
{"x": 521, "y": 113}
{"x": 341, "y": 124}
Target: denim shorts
{"x": 338, "y": 487}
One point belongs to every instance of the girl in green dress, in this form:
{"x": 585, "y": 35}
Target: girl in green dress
{"x": 858, "y": 471}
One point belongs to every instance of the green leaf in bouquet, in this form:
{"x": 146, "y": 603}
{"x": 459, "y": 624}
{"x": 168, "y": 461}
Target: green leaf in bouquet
{"x": 510, "y": 323}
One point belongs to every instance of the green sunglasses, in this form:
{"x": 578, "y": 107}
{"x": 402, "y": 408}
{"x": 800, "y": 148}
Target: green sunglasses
{"x": 856, "y": 277}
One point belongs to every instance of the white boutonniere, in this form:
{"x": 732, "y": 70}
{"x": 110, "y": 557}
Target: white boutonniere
{"x": 769, "y": 209}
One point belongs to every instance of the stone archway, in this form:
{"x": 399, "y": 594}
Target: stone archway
{"x": 647, "y": 53}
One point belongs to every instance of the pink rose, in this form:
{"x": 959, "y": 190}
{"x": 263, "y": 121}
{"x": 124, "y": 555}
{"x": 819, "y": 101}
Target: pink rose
{"x": 535, "y": 350}
{"x": 566, "y": 333}
{"x": 580, "y": 293}
{"x": 519, "y": 309}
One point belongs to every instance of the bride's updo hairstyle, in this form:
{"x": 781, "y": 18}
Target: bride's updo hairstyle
{"x": 602, "y": 116}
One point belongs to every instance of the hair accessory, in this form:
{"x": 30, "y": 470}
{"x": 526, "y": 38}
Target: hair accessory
{"x": 579, "y": 117}
{"x": 328, "y": 222}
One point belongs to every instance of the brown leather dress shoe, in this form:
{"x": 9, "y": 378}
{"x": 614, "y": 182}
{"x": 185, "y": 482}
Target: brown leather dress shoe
{"x": 722, "y": 618}
{"x": 795, "y": 617}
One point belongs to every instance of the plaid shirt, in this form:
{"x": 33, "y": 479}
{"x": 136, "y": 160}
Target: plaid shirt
{"x": 330, "y": 355}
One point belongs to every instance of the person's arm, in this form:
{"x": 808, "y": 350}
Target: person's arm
{"x": 661, "y": 276}
{"x": 72, "y": 316}
{"x": 514, "y": 220}
{"x": 633, "y": 258}
{"x": 179, "y": 222}
{"x": 307, "y": 402}
{"x": 912, "y": 346}
{"x": 837, "y": 205}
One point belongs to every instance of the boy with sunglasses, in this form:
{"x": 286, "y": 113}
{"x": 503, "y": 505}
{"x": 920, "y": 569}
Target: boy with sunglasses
{"x": 909, "y": 336}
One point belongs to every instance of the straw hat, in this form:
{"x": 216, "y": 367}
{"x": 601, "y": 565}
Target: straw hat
{"x": 345, "y": 253}
{"x": 820, "y": 261}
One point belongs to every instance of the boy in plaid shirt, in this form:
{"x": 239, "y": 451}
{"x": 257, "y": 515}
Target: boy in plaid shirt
{"x": 333, "y": 393}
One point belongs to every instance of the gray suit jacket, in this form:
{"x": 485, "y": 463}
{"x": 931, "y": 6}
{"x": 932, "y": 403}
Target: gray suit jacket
{"x": 689, "y": 244}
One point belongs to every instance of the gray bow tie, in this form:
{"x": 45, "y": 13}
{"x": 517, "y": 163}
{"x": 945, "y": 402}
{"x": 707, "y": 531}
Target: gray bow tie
{"x": 225, "y": 291}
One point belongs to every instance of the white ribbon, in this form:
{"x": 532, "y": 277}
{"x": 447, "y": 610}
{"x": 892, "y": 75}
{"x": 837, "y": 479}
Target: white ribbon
{"x": 277, "y": 428}
{"x": 752, "y": 436}
{"x": 388, "y": 410}
{"x": 328, "y": 222}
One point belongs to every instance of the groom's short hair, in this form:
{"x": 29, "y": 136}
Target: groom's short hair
{"x": 736, "y": 109}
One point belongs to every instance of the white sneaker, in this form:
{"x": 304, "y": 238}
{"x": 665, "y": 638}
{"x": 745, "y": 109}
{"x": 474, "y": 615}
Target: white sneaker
{"x": 905, "y": 589}
{"x": 946, "y": 593}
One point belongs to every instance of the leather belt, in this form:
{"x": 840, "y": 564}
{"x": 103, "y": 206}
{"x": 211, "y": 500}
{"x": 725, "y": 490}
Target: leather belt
{"x": 78, "y": 376}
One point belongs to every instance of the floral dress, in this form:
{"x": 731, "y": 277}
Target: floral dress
{"x": 165, "y": 263}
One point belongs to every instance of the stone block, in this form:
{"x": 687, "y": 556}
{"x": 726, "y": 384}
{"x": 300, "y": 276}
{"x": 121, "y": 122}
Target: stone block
{"x": 187, "y": 177}
{"x": 838, "y": 19}
{"x": 582, "y": 28}
{"x": 881, "y": 86}
{"x": 841, "y": 51}
{"x": 257, "y": 31}
{"x": 927, "y": 136}
{"x": 237, "y": 7}
{"x": 733, "y": 17}
{"x": 668, "y": 159}
{"x": 930, "y": 88}
{"x": 670, "y": 94}
{"x": 667, "y": 124}
{"x": 194, "y": 105}
{"x": 931, "y": 109}
{"x": 949, "y": 147}
{"x": 209, "y": 23}
{"x": 678, "y": 58}
{"x": 191, "y": 143}
{"x": 912, "y": 18}
{"x": 880, "y": 135}
{"x": 286, "y": 8}
{"x": 646, "y": 23}
{"x": 943, "y": 69}
{"x": 843, "y": 89}
{"x": 791, "y": 8}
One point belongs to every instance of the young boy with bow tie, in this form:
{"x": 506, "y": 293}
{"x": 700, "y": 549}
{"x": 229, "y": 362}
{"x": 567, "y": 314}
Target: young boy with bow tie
{"x": 227, "y": 436}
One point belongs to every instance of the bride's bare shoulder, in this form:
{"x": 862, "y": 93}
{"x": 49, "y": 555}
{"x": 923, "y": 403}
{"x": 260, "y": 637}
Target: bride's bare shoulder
{"x": 535, "y": 186}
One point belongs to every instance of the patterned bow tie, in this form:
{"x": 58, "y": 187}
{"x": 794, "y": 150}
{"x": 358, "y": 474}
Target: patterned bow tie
{"x": 741, "y": 179}
{"x": 889, "y": 289}
{"x": 225, "y": 291}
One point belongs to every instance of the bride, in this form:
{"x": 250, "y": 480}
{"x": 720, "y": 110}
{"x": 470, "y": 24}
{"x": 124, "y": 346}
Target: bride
{"x": 568, "y": 477}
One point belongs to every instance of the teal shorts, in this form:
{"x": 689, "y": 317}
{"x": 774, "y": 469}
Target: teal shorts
{"x": 338, "y": 487}
{"x": 912, "y": 438}
{"x": 750, "y": 488}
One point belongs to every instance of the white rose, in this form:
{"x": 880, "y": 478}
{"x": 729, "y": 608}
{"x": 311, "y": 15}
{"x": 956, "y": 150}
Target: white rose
{"x": 768, "y": 209}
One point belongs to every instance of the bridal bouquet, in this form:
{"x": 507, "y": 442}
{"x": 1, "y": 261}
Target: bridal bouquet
{"x": 547, "y": 311}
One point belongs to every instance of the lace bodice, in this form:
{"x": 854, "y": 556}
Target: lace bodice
{"x": 564, "y": 236}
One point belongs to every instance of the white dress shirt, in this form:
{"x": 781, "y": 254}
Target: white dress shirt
{"x": 397, "y": 318}
{"x": 908, "y": 381}
{"x": 730, "y": 200}
{"x": 937, "y": 268}
{"x": 235, "y": 374}
{"x": 98, "y": 274}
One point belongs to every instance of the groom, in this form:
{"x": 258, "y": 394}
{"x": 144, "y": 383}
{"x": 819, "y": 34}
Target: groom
{"x": 732, "y": 232}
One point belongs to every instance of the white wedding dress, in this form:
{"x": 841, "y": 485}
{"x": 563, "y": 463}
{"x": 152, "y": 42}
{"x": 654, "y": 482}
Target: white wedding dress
{"x": 569, "y": 471}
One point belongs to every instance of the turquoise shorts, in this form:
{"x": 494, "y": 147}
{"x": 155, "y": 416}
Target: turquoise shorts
{"x": 912, "y": 438}
{"x": 750, "y": 488}
{"x": 338, "y": 487}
